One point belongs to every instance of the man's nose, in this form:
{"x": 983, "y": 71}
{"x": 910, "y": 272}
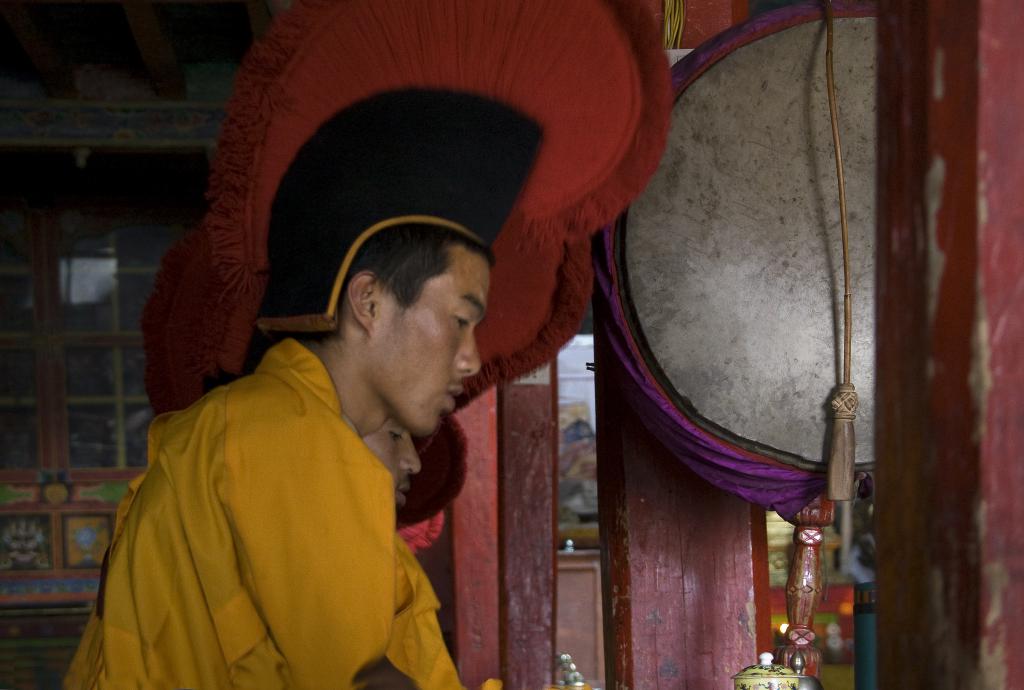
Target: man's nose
{"x": 468, "y": 361}
{"x": 412, "y": 462}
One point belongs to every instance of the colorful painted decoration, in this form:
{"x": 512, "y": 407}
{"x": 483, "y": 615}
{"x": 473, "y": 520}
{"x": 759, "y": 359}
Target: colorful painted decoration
{"x": 25, "y": 542}
{"x": 86, "y": 538}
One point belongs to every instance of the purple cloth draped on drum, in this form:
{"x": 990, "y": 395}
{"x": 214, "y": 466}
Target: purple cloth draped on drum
{"x": 785, "y": 490}
{"x": 767, "y": 483}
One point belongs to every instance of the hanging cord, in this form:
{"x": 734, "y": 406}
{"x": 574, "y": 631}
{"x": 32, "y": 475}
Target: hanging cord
{"x": 844, "y": 403}
{"x": 675, "y": 22}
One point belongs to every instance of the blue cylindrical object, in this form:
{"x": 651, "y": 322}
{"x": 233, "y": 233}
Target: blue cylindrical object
{"x": 865, "y": 639}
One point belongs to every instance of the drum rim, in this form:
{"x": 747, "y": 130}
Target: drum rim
{"x": 684, "y": 73}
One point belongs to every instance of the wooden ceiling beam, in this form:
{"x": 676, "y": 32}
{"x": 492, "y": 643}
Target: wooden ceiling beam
{"x": 113, "y": 2}
{"x": 109, "y": 126}
{"x": 54, "y": 71}
{"x": 155, "y": 49}
{"x": 259, "y": 16}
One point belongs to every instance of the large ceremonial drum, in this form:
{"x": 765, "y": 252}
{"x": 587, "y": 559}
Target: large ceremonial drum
{"x": 731, "y": 264}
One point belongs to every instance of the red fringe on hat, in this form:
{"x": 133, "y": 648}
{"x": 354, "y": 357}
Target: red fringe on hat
{"x": 625, "y": 182}
{"x": 422, "y": 535}
{"x": 174, "y": 323}
{"x": 505, "y": 353}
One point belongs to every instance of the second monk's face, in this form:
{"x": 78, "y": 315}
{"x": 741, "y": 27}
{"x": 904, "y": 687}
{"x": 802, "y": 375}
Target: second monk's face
{"x": 394, "y": 448}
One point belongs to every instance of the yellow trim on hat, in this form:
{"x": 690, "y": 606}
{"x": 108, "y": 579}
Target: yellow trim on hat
{"x": 328, "y": 320}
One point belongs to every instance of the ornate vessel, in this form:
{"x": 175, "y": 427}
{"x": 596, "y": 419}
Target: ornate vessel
{"x": 766, "y": 676}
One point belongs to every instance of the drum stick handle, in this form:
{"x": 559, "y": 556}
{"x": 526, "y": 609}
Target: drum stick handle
{"x": 844, "y": 405}
{"x": 841, "y": 178}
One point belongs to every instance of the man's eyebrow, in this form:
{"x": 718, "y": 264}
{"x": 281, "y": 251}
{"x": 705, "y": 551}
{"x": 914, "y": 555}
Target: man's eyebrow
{"x": 481, "y": 309}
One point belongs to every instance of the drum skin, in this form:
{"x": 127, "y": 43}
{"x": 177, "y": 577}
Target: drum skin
{"x": 731, "y": 260}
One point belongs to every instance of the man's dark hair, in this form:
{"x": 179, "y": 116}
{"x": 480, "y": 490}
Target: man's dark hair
{"x": 404, "y": 257}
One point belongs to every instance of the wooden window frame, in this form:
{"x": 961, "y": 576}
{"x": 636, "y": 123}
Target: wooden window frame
{"x": 53, "y": 487}
{"x": 49, "y": 340}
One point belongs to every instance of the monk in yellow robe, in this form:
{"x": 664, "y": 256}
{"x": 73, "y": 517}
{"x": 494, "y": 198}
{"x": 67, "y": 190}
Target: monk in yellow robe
{"x": 259, "y": 550}
{"x": 370, "y": 156}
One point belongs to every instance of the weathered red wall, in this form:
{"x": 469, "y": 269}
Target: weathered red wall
{"x": 1000, "y": 374}
{"x": 949, "y": 426}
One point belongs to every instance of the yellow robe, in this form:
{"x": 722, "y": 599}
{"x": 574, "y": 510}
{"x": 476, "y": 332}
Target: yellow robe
{"x": 259, "y": 551}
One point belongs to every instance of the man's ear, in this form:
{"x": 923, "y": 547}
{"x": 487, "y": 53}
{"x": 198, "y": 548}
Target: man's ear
{"x": 363, "y": 295}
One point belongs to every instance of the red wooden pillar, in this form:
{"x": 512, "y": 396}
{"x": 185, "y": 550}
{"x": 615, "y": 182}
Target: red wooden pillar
{"x": 503, "y": 536}
{"x": 528, "y": 425}
{"x": 1000, "y": 373}
{"x": 685, "y": 565}
{"x": 950, "y": 427}
{"x": 474, "y": 528}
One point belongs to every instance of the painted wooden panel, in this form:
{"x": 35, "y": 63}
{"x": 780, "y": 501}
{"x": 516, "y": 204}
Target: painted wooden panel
{"x": 138, "y": 126}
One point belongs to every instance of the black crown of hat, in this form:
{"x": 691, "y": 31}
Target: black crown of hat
{"x": 453, "y": 160}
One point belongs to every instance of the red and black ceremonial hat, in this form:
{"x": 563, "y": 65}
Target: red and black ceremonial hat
{"x": 524, "y": 124}
{"x": 440, "y": 159}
